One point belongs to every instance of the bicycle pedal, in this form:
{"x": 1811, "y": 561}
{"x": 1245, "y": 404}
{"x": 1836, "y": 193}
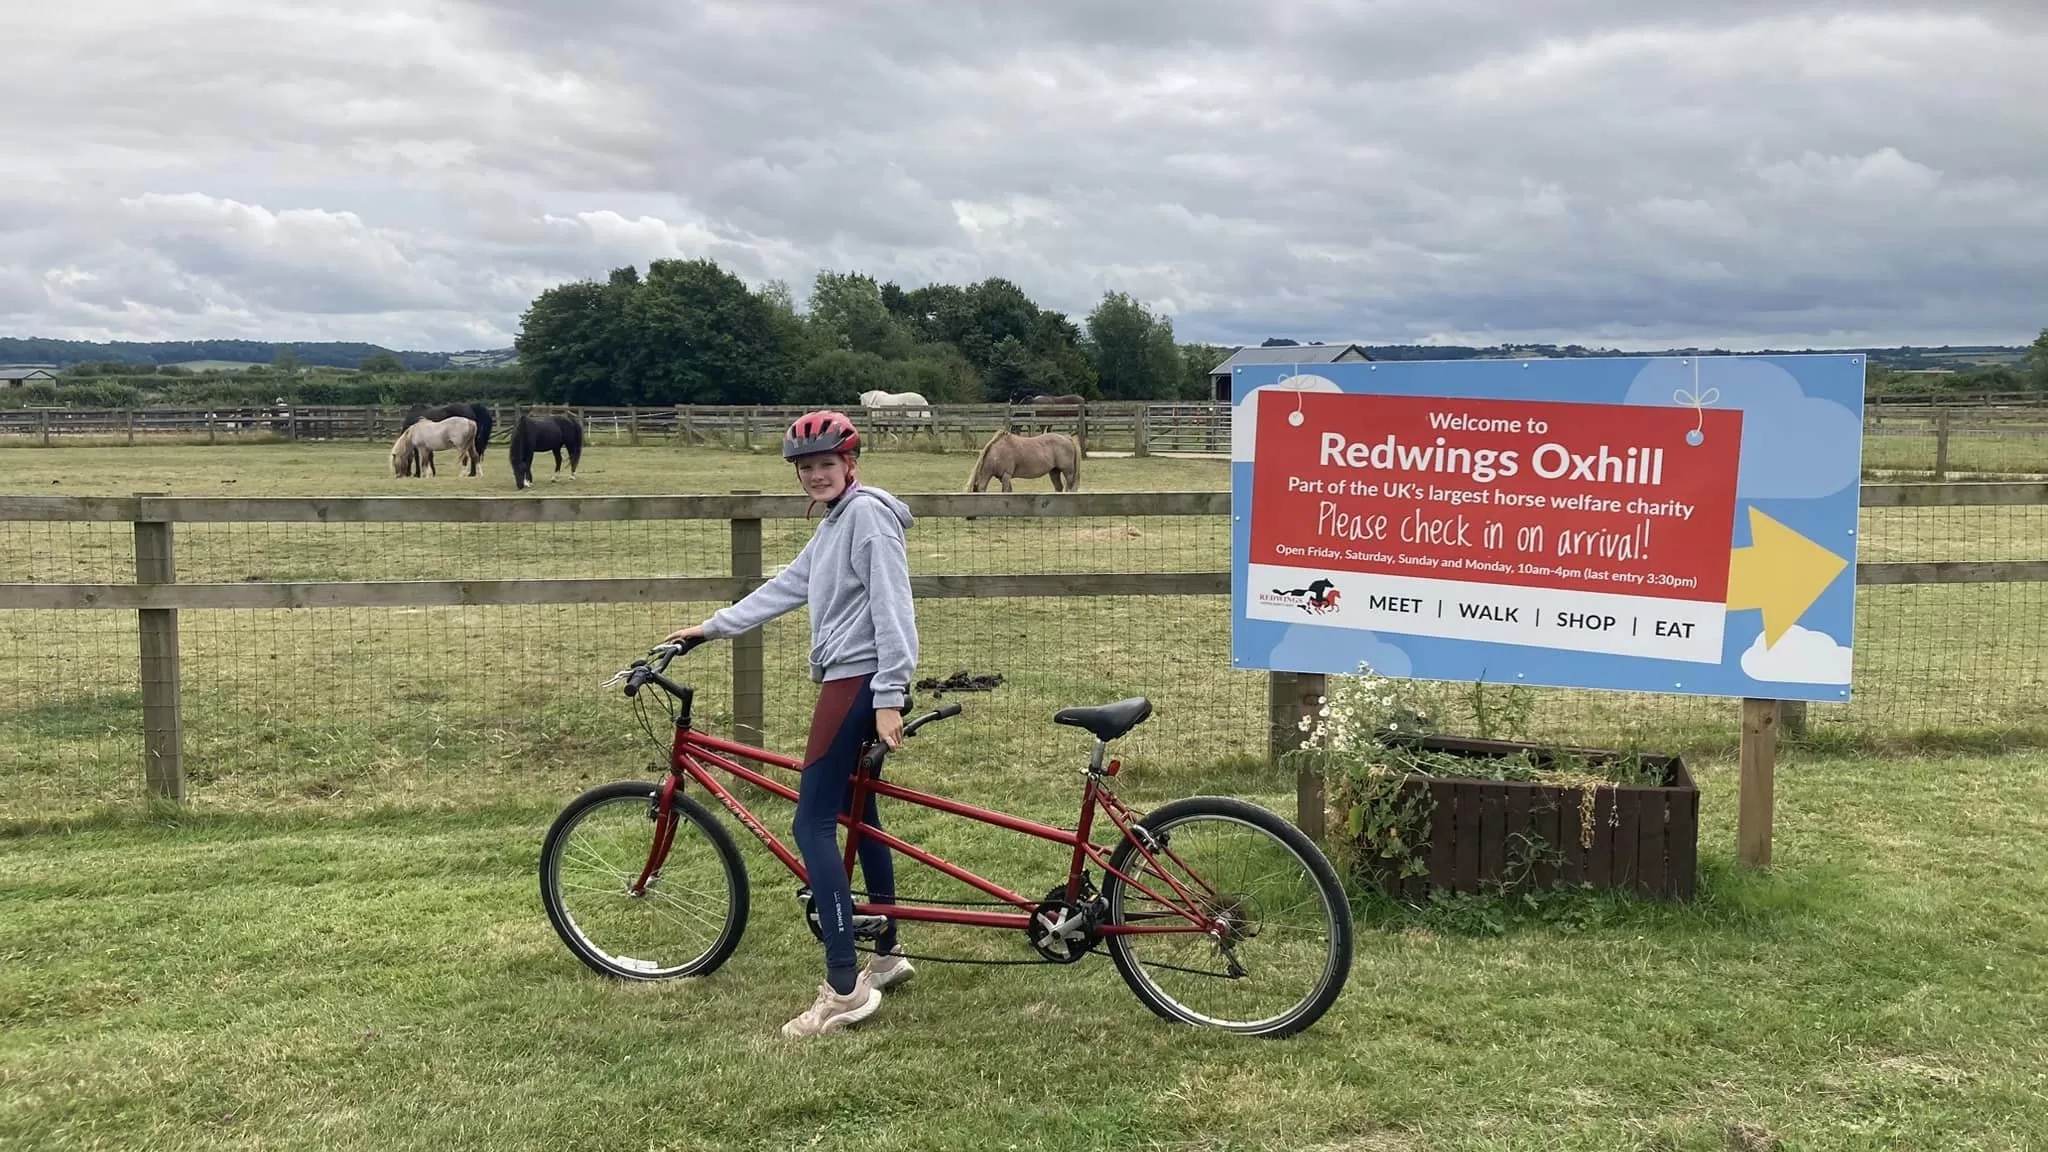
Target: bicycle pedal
{"x": 868, "y": 927}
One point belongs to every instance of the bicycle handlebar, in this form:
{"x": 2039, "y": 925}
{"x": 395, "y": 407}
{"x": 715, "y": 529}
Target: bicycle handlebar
{"x": 873, "y": 759}
{"x": 639, "y": 672}
{"x": 649, "y": 668}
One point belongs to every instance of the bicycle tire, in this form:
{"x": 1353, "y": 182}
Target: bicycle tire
{"x": 1336, "y": 967}
{"x": 623, "y": 867}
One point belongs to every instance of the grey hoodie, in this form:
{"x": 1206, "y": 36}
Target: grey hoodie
{"x": 855, "y": 576}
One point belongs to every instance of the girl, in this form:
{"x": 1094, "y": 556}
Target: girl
{"x": 855, "y": 575}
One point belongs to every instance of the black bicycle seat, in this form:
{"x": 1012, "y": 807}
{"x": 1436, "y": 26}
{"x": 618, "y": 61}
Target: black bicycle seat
{"x": 1107, "y": 721}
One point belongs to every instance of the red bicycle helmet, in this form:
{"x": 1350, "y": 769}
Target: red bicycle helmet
{"x": 824, "y": 431}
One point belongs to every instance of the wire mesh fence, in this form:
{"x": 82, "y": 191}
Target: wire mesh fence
{"x": 1947, "y": 442}
{"x": 305, "y": 706}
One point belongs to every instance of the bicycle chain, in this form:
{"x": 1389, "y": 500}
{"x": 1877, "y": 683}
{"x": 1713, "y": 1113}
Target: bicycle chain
{"x": 1011, "y": 963}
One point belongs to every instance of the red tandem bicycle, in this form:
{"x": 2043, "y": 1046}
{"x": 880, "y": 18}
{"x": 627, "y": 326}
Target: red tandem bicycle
{"x": 1217, "y": 912}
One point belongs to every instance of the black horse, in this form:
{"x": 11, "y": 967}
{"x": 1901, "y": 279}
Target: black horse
{"x": 533, "y": 435}
{"x": 476, "y": 412}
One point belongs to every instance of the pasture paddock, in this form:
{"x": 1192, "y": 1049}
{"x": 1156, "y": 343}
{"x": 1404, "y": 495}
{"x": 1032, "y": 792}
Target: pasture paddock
{"x": 1988, "y": 439}
{"x": 408, "y": 698}
{"x": 336, "y": 943}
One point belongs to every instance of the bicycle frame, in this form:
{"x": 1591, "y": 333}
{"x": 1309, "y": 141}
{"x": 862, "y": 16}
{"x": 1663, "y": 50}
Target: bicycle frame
{"x": 693, "y": 750}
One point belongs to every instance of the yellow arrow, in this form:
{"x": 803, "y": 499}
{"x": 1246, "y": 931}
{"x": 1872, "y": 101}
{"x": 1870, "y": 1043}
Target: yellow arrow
{"x": 1781, "y": 572}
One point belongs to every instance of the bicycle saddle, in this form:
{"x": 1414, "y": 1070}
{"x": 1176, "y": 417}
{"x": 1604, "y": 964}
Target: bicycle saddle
{"x": 1107, "y": 721}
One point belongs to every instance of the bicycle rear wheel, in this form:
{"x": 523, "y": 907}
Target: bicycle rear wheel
{"x": 1285, "y": 949}
{"x": 689, "y": 917}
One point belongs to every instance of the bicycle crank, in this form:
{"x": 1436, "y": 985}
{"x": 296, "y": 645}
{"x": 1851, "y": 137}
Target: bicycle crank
{"x": 1064, "y": 930}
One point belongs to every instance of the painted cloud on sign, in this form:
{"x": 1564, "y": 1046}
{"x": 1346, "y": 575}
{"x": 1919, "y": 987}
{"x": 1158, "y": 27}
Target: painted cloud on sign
{"x": 1801, "y": 656}
{"x": 1244, "y": 422}
{"x": 1312, "y": 648}
{"x": 1794, "y": 447}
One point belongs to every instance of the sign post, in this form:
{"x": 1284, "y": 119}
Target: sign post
{"x": 1661, "y": 524}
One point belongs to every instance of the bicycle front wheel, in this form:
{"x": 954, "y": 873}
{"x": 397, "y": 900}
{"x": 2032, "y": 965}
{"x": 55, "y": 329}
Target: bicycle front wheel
{"x": 686, "y": 920}
{"x": 1282, "y": 949}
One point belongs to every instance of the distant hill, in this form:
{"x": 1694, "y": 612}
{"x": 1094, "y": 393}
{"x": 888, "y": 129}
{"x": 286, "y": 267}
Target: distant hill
{"x": 326, "y": 354}
{"x": 1901, "y": 358}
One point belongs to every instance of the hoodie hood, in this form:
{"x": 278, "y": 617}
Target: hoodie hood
{"x": 894, "y": 505}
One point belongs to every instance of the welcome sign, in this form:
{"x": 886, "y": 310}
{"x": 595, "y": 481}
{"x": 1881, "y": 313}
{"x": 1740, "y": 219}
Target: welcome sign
{"x": 1582, "y": 523}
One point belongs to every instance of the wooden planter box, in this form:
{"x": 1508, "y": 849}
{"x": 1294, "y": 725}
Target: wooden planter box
{"x": 1494, "y": 835}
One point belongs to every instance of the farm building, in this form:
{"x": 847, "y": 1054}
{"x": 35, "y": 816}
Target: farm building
{"x": 1219, "y": 376}
{"x": 16, "y": 375}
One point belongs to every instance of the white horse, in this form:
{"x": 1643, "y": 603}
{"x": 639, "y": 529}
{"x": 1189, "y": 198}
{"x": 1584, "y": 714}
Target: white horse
{"x": 426, "y": 437}
{"x": 894, "y": 408}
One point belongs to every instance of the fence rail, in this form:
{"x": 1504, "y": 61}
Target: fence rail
{"x": 1140, "y": 427}
{"x": 158, "y": 596}
{"x": 1985, "y": 437}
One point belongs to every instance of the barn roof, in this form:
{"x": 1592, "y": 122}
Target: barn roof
{"x": 1290, "y": 354}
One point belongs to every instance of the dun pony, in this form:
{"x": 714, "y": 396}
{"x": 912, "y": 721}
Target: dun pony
{"x": 1008, "y": 455}
{"x": 476, "y": 412}
{"x": 413, "y": 452}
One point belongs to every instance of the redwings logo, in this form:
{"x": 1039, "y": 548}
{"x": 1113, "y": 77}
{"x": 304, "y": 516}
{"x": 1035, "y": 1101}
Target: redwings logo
{"x": 1318, "y": 599}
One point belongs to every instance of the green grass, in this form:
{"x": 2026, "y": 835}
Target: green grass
{"x": 338, "y": 943}
{"x": 386, "y": 978}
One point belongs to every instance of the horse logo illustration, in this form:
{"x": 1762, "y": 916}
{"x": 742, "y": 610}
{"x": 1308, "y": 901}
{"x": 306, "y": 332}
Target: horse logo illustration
{"x": 1319, "y": 598}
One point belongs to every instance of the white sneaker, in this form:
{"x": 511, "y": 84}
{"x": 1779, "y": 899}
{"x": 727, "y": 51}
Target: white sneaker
{"x": 833, "y": 1012}
{"x": 886, "y": 970}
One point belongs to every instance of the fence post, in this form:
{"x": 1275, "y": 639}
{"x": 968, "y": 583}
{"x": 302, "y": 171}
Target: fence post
{"x": 1289, "y": 697}
{"x": 163, "y": 724}
{"x": 1758, "y": 782}
{"x": 1941, "y": 443}
{"x": 747, "y": 649}
{"x": 1081, "y": 429}
{"x": 131, "y": 425}
{"x": 633, "y": 426}
{"x": 1141, "y": 434}
{"x": 43, "y": 421}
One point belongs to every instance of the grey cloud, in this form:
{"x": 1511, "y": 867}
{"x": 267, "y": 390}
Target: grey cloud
{"x": 1845, "y": 171}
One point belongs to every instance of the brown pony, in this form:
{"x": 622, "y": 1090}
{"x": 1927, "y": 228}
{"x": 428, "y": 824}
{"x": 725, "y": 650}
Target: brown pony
{"x": 1008, "y": 455}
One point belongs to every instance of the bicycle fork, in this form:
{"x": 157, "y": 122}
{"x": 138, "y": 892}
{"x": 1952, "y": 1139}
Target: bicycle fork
{"x": 664, "y": 816}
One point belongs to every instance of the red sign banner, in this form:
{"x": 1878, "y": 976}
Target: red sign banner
{"x": 1628, "y": 499}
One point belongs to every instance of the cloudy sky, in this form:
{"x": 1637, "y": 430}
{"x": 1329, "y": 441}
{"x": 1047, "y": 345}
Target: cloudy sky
{"x": 412, "y": 172}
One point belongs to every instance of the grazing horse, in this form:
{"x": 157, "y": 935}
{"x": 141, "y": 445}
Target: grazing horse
{"x": 476, "y": 412}
{"x": 536, "y": 434}
{"x": 412, "y": 454}
{"x": 894, "y": 409}
{"x": 1008, "y": 455}
{"x": 1071, "y": 404}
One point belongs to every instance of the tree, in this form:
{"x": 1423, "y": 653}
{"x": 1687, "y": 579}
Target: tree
{"x": 847, "y": 311}
{"x": 381, "y": 363}
{"x": 1134, "y": 353}
{"x": 573, "y": 341}
{"x": 1196, "y": 362}
{"x": 2037, "y": 362}
{"x": 286, "y": 360}
{"x": 836, "y": 378}
{"x": 701, "y": 336}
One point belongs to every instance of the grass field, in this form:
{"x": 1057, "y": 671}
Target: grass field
{"x": 339, "y": 942}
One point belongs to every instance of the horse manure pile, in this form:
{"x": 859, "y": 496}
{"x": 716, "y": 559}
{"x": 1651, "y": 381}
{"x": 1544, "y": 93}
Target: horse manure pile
{"x": 959, "y": 682}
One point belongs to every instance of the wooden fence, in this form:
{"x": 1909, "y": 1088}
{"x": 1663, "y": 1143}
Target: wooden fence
{"x": 1138, "y": 427}
{"x": 157, "y": 596}
{"x": 1987, "y": 435}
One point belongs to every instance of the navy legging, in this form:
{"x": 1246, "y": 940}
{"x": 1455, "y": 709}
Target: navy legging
{"x": 843, "y": 720}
